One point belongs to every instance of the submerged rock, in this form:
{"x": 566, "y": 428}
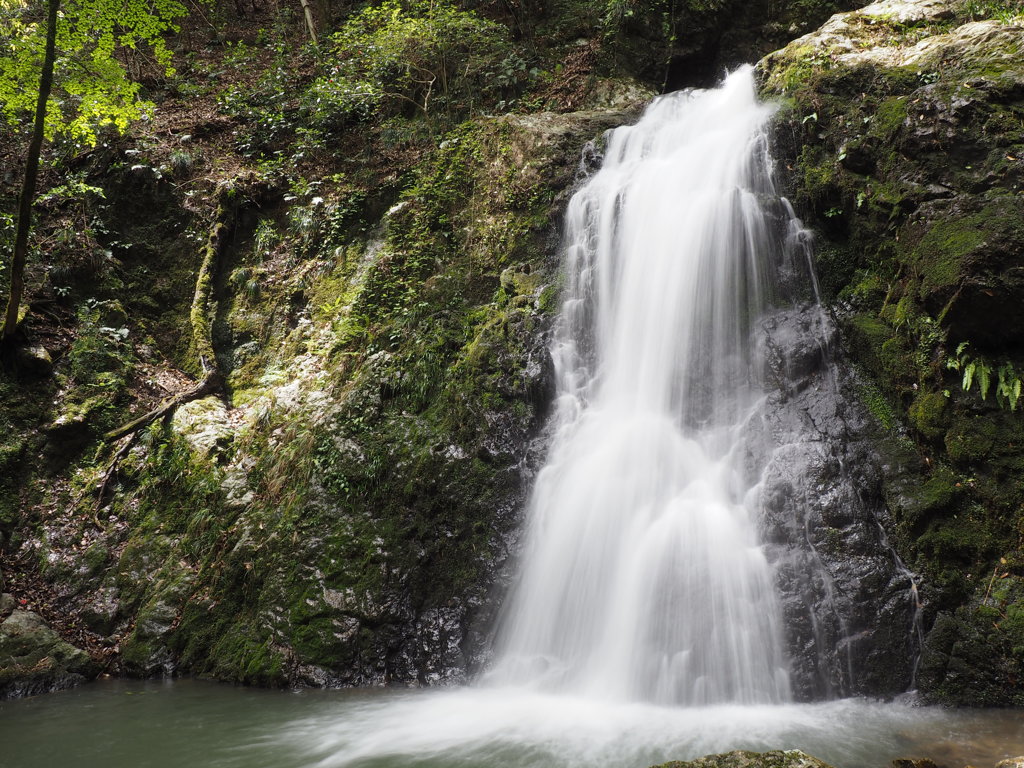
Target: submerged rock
{"x": 789, "y": 758}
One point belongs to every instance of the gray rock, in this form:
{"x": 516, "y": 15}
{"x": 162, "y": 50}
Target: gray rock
{"x": 789, "y": 758}
{"x": 848, "y": 601}
{"x": 34, "y": 361}
{"x": 34, "y": 659}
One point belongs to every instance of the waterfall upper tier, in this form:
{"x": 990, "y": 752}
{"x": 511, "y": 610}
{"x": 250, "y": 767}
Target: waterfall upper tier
{"x": 643, "y": 575}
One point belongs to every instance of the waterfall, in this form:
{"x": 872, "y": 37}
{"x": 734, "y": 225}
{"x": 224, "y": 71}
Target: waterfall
{"x": 642, "y": 576}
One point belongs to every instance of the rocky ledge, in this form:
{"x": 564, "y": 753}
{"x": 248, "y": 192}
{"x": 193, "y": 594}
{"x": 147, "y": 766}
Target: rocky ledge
{"x": 33, "y": 658}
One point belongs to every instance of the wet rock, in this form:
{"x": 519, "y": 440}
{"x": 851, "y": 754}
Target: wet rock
{"x": 913, "y": 763}
{"x": 790, "y": 758}
{"x": 848, "y": 601}
{"x": 34, "y": 659}
{"x": 1013, "y": 762}
{"x": 903, "y": 134}
{"x": 972, "y": 655}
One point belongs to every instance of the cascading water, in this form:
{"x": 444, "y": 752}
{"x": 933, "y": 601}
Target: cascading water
{"x": 642, "y": 576}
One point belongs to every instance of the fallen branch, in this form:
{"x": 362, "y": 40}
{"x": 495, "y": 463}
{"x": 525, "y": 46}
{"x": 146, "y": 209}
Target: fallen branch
{"x": 208, "y": 386}
{"x": 201, "y": 316}
{"x": 109, "y": 473}
{"x": 202, "y": 313}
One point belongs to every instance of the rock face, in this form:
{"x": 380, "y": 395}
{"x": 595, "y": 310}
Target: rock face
{"x": 790, "y": 758}
{"x": 346, "y": 510}
{"x": 901, "y": 134}
{"x": 33, "y": 658}
{"x": 850, "y": 604}
{"x": 348, "y": 520}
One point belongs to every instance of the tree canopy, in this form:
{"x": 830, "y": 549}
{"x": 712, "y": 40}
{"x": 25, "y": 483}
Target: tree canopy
{"x": 96, "y": 40}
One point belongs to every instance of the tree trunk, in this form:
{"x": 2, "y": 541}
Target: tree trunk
{"x": 28, "y": 189}
{"x": 307, "y": 11}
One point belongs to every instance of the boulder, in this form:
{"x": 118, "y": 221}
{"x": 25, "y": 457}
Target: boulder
{"x": 34, "y": 659}
{"x": 789, "y": 758}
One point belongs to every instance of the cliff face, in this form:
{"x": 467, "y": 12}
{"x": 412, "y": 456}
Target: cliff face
{"x": 343, "y": 517}
{"x": 378, "y": 276}
{"x": 901, "y": 133}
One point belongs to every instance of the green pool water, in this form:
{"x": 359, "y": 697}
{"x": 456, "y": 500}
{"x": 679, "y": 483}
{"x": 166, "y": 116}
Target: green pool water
{"x": 196, "y": 724}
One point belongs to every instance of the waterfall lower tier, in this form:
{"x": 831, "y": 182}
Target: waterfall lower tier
{"x": 643, "y": 576}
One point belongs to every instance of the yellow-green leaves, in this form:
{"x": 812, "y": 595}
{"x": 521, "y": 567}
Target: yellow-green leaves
{"x": 92, "y": 90}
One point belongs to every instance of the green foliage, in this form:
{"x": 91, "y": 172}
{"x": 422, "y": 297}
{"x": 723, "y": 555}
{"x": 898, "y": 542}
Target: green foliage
{"x": 976, "y": 369}
{"x": 993, "y": 9}
{"x": 100, "y": 356}
{"x": 92, "y": 88}
{"x": 429, "y": 57}
{"x": 265, "y": 107}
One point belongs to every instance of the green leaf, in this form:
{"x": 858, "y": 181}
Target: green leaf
{"x": 92, "y": 88}
{"x": 984, "y": 378}
{"x": 968, "y": 376}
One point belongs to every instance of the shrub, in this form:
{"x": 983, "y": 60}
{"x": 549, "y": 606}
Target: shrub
{"x": 415, "y": 58}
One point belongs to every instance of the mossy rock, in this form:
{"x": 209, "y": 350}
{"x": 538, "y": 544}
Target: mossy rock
{"x": 790, "y": 758}
{"x": 34, "y": 659}
{"x": 929, "y": 415}
{"x": 975, "y": 655}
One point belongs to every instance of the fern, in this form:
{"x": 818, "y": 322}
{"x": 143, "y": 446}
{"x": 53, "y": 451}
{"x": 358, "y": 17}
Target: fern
{"x": 1008, "y": 381}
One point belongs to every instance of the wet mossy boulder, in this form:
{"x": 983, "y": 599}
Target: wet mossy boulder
{"x": 33, "y": 658}
{"x": 901, "y": 131}
{"x": 975, "y": 655}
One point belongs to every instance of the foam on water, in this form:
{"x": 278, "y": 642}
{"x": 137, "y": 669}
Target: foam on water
{"x": 517, "y": 728}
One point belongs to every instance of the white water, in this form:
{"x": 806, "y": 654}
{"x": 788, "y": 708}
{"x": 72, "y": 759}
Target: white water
{"x": 642, "y": 577}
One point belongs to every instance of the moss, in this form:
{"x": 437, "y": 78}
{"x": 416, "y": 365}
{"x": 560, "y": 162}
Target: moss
{"x": 96, "y": 557}
{"x": 941, "y": 254}
{"x": 879, "y": 406}
{"x": 929, "y": 503}
{"x": 896, "y": 361}
{"x": 973, "y": 655}
{"x": 868, "y": 335}
{"x": 971, "y": 439}
{"x": 819, "y": 183}
{"x": 965, "y": 538}
{"x": 929, "y": 415}
{"x": 837, "y": 268}
{"x": 889, "y": 118}
{"x": 246, "y": 654}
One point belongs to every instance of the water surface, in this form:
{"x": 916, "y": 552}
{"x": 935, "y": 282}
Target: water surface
{"x": 194, "y": 724}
